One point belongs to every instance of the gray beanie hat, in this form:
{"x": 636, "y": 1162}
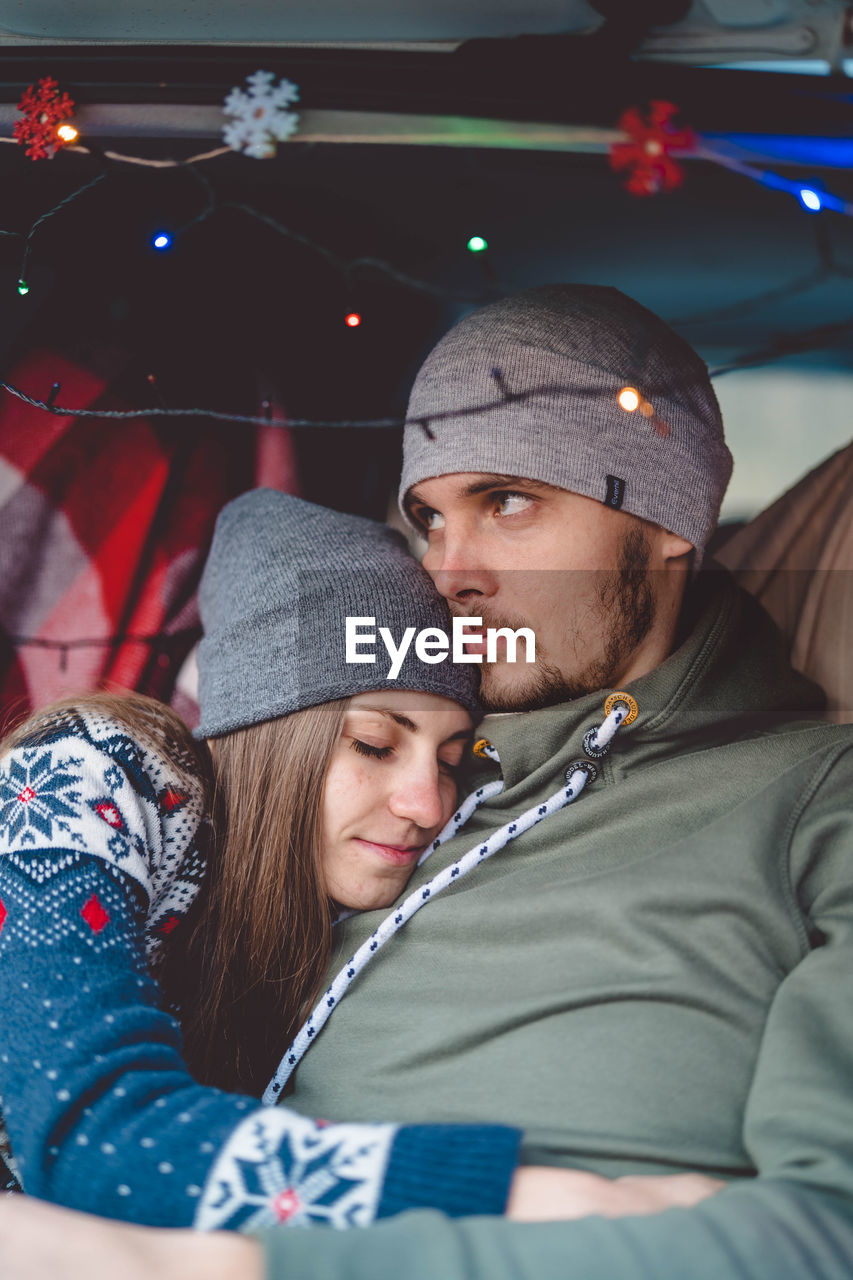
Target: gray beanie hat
{"x": 551, "y": 363}
{"x": 280, "y": 580}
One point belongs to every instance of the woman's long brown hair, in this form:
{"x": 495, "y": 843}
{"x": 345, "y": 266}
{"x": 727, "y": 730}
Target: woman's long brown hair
{"x": 251, "y": 956}
{"x": 261, "y": 935}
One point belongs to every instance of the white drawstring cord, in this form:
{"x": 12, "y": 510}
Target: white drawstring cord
{"x": 597, "y": 741}
{"x": 620, "y": 708}
{"x": 577, "y": 776}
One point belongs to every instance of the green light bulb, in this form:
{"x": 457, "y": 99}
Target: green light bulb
{"x": 23, "y": 288}
{"x": 477, "y": 244}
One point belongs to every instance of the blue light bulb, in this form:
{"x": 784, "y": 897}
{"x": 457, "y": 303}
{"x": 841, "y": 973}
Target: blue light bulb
{"x": 162, "y": 240}
{"x": 810, "y": 200}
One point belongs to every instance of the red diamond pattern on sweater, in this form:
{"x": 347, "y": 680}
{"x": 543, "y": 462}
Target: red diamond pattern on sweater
{"x": 3, "y": 914}
{"x": 94, "y": 914}
{"x": 286, "y": 1204}
{"x": 172, "y": 799}
{"x": 26, "y": 795}
{"x": 110, "y": 814}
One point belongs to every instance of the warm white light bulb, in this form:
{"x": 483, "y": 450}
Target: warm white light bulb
{"x": 629, "y": 399}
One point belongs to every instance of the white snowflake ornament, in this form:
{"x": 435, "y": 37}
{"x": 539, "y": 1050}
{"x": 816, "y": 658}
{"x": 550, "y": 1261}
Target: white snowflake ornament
{"x": 260, "y": 116}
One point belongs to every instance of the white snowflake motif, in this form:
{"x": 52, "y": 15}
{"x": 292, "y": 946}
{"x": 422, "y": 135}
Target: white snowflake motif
{"x": 278, "y": 1167}
{"x": 261, "y": 118}
{"x": 36, "y": 794}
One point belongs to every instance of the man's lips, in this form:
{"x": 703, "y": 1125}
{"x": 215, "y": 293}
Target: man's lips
{"x": 400, "y": 855}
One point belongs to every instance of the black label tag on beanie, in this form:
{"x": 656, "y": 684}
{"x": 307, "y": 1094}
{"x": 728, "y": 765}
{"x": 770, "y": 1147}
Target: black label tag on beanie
{"x": 615, "y": 495}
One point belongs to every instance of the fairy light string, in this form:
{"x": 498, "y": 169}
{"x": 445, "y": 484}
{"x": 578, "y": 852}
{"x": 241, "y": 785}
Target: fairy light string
{"x": 683, "y": 144}
{"x": 347, "y": 266}
{"x": 156, "y": 640}
{"x": 812, "y": 198}
{"x": 782, "y": 346}
{"x": 425, "y": 422}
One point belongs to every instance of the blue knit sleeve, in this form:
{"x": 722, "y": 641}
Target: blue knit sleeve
{"x": 98, "y": 862}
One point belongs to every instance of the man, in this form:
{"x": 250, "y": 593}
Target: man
{"x": 655, "y": 977}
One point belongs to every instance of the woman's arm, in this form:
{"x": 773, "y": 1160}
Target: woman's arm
{"x": 98, "y": 862}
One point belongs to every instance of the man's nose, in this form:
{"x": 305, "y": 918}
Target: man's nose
{"x": 455, "y": 565}
{"x": 416, "y": 795}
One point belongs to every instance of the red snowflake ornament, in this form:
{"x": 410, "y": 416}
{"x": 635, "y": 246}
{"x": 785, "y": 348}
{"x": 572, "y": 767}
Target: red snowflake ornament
{"x": 647, "y": 155}
{"x": 44, "y": 108}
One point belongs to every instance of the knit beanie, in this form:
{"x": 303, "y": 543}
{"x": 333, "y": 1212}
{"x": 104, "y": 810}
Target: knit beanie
{"x": 580, "y": 387}
{"x": 281, "y": 578}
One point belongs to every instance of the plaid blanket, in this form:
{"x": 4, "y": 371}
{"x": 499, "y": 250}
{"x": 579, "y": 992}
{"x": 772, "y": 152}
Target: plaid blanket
{"x": 104, "y": 526}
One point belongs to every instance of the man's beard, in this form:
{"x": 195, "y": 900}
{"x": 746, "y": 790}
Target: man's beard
{"x": 624, "y": 610}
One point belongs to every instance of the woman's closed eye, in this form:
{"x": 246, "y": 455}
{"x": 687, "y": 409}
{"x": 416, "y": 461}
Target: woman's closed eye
{"x": 450, "y": 764}
{"x": 368, "y": 749}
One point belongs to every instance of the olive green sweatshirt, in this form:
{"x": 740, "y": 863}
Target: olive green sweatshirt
{"x": 657, "y": 978}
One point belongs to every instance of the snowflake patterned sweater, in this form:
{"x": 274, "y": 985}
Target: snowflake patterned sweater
{"x": 99, "y": 861}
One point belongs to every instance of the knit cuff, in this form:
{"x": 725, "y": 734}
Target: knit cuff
{"x": 461, "y": 1170}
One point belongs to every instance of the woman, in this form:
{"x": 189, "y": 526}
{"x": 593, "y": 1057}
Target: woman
{"x": 320, "y": 787}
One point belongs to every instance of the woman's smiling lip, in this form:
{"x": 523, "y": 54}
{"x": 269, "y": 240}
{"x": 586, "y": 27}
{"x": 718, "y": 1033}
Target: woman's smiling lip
{"x": 398, "y": 854}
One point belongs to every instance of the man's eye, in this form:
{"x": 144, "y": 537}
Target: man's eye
{"x": 367, "y": 749}
{"x": 510, "y": 503}
{"x": 431, "y": 520}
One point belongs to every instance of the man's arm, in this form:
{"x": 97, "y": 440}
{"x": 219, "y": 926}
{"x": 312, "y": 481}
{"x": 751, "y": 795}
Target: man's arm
{"x": 760, "y": 1232}
{"x": 42, "y": 1242}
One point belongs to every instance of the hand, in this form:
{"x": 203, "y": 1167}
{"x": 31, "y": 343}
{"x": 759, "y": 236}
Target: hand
{"x": 43, "y": 1242}
{"x": 541, "y": 1194}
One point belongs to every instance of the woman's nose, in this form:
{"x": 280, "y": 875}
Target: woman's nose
{"x": 417, "y": 796}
